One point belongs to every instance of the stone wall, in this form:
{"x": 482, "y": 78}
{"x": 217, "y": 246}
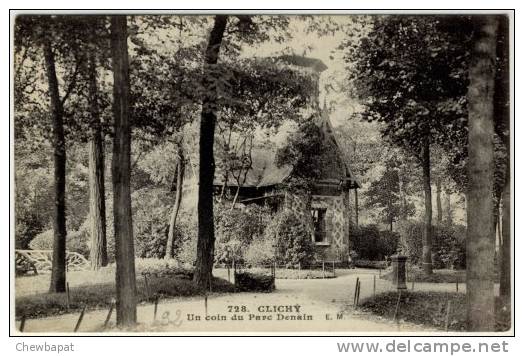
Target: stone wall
{"x": 337, "y": 221}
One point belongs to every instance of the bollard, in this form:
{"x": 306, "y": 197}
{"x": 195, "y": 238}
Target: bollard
{"x": 448, "y": 309}
{"x": 80, "y": 318}
{"x": 334, "y": 274}
{"x": 68, "y": 296}
{"x": 399, "y": 271}
{"x": 108, "y": 317}
{"x": 299, "y": 268}
{"x": 374, "y": 284}
{"x": 22, "y": 324}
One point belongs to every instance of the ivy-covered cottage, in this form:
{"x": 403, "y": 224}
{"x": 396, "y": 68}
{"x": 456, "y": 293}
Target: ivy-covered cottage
{"x": 329, "y": 211}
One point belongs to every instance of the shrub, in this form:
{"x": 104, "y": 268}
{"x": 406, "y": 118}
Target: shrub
{"x": 27, "y": 226}
{"x": 370, "y": 264}
{"x": 76, "y": 241}
{"x": 372, "y": 244}
{"x": 261, "y": 252}
{"x": 449, "y": 244}
{"x": 449, "y": 249}
{"x": 293, "y": 243}
{"x": 151, "y": 212}
{"x": 186, "y": 240}
{"x": 161, "y": 267}
{"x": 252, "y": 282}
{"x": 236, "y": 229}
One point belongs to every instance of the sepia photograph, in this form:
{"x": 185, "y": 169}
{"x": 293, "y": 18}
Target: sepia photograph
{"x": 262, "y": 173}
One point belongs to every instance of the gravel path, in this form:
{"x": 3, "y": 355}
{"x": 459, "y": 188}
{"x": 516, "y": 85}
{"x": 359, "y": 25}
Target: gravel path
{"x": 323, "y": 304}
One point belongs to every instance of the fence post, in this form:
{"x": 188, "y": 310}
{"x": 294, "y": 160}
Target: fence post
{"x": 299, "y": 269}
{"x": 323, "y": 269}
{"x": 228, "y": 274}
{"x": 156, "y": 308}
{"x": 397, "y": 308}
{"x": 374, "y": 284}
{"x": 80, "y": 318}
{"x": 22, "y": 324}
{"x": 108, "y": 317}
{"x": 413, "y": 284}
{"x": 68, "y": 296}
{"x": 234, "y": 276}
{"x": 205, "y": 303}
{"x": 146, "y": 286}
{"x": 448, "y": 308}
{"x": 457, "y": 285}
{"x": 358, "y": 292}
{"x": 355, "y": 295}
{"x": 334, "y": 275}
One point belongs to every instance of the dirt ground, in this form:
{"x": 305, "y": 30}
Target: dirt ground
{"x": 311, "y": 305}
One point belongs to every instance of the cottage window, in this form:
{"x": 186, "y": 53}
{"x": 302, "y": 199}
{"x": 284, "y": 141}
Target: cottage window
{"x": 319, "y": 223}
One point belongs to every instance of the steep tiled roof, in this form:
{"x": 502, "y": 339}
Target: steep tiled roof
{"x": 266, "y": 173}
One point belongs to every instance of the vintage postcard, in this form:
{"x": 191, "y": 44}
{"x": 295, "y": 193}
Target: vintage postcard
{"x": 262, "y": 173}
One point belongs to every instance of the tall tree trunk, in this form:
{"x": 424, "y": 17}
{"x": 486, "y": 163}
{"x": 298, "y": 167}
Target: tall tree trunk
{"x": 176, "y": 207}
{"x": 502, "y": 110}
{"x": 121, "y": 169}
{"x": 206, "y": 233}
{"x": 427, "y": 239}
{"x": 480, "y": 243}
{"x": 505, "y": 255}
{"x": 402, "y": 197}
{"x": 449, "y": 211}
{"x": 97, "y": 203}
{"x": 356, "y": 207}
{"x": 58, "y": 270}
{"x": 439, "y": 201}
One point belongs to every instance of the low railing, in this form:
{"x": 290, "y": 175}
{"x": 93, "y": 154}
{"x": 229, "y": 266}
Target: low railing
{"x": 321, "y": 269}
{"x": 41, "y": 260}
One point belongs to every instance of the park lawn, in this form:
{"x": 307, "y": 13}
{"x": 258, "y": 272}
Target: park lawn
{"x": 429, "y": 309}
{"x": 96, "y": 290}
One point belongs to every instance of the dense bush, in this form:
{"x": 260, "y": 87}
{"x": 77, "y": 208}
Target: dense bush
{"x": 293, "y": 244}
{"x": 27, "y": 226}
{"x": 236, "y": 229}
{"x": 252, "y": 282}
{"x": 161, "y": 267}
{"x": 77, "y": 241}
{"x": 370, "y": 264}
{"x": 449, "y": 244}
{"x": 372, "y": 244}
{"x": 261, "y": 252}
{"x": 151, "y": 211}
